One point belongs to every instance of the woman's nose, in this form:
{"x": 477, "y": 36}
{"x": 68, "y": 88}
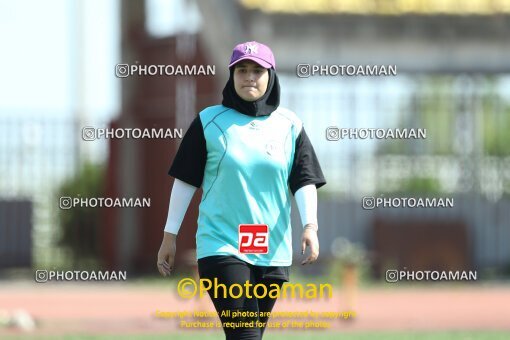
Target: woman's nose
{"x": 251, "y": 76}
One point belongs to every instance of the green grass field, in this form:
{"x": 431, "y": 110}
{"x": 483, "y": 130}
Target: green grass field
{"x": 460, "y": 335}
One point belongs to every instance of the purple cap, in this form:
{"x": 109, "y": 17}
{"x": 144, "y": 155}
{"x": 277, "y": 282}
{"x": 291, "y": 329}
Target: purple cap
{"x": 254, "y": 51}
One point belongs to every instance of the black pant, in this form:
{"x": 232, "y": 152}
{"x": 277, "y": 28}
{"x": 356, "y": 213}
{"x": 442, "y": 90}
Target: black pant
{"x": 229, "y": 270}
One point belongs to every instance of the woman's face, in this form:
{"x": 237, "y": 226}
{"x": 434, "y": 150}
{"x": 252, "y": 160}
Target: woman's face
{"x": 250, "y": 80}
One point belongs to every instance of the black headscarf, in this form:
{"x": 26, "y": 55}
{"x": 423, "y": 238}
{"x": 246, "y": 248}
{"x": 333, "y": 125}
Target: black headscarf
{"x": 263, "y": 106}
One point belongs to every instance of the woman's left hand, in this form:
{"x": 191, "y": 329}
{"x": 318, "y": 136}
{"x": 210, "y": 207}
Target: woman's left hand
{"x": 309, "y": 238}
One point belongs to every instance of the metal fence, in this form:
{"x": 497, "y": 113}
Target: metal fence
{"x": 465, "y": 155}
{"x": 37, "y": 154}
{"x": 467, "y": 120}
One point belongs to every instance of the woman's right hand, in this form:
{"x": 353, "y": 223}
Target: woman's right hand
{"x": 166, "y": 254}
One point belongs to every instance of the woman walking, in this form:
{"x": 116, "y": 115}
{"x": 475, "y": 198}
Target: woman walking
{"x": 250, "y": 157}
